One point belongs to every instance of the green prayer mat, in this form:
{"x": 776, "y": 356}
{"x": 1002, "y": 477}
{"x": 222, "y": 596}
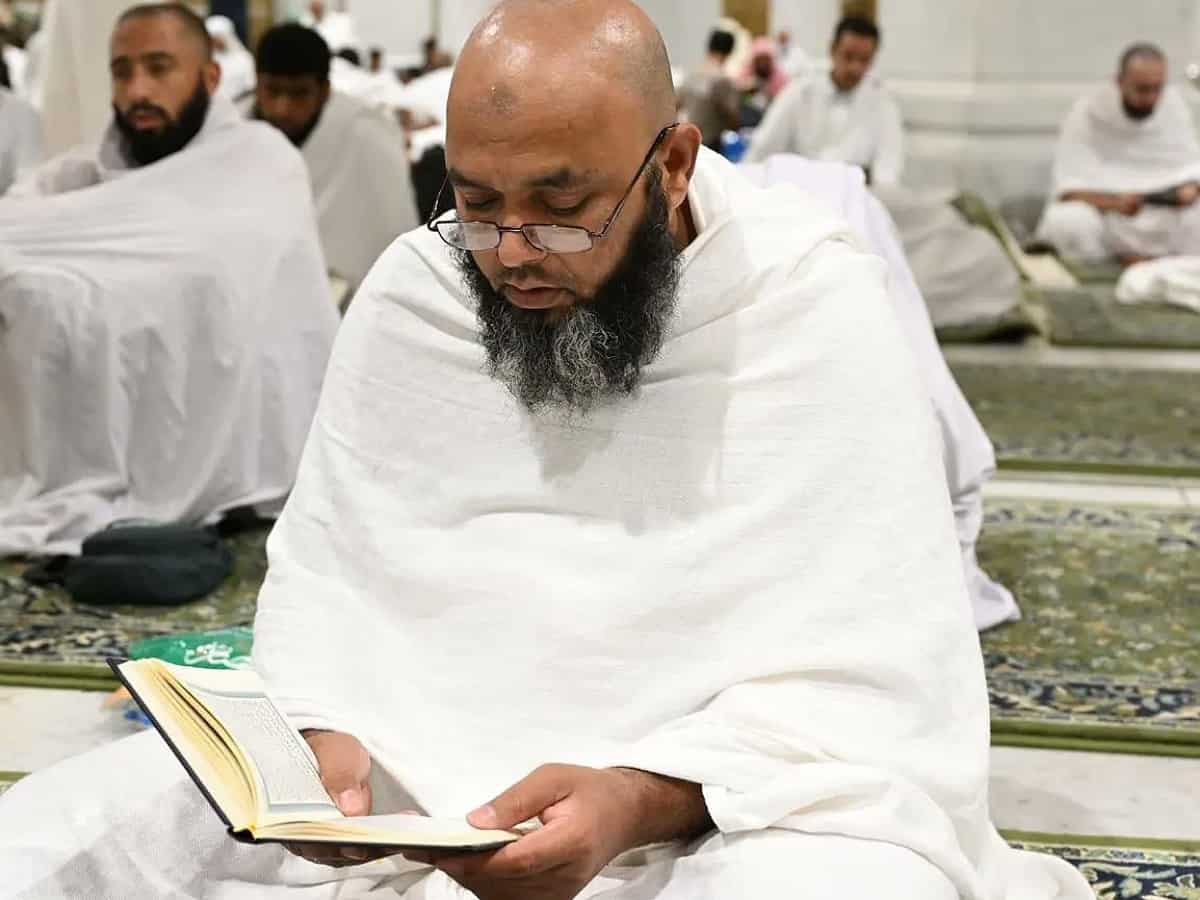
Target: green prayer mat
{"x": 1124, "y": 868}
{"x": 1106, "y": 656}
{"x": 48, "y": 640}
{"x": 1091, "y": 316}
{"x": 1087, "y": 419}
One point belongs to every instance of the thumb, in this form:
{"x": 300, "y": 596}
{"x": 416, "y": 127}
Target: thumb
{"x": 527, "y": 799}
{"x": 345, "y": 766}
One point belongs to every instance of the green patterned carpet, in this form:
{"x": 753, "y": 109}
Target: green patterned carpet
{"x": 1091, "y": 316}
{"x": 1082, "y": 419}
{"x": 1125, "y": 869}
{"x": 1107, "y": 656}
{"x": 47, "y": 640}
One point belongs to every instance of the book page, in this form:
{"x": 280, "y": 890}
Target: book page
{"x": 288, "y": 777}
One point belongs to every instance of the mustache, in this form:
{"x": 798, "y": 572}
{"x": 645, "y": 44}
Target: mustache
{"x": 144, "y": 107}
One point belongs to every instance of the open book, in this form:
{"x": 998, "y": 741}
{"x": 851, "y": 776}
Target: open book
{"x": 259, "y": 773}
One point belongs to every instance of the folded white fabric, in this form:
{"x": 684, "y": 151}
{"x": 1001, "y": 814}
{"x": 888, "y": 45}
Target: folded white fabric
{"x": 1172, "y": 279}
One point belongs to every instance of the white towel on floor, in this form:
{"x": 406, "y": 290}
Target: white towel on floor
{"x": 1173, "y": 279}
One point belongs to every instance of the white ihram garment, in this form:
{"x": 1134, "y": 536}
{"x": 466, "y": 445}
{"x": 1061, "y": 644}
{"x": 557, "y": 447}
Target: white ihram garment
{"x": 1102, "y": 149}
{"x": 166, "y": 330}
{"x": 745, "y": 576}
{"x": 814, "y": 119}
{"x": 238, "y": 71}
{"x": 359, "y": 169}
{"x": 967, "y": 454}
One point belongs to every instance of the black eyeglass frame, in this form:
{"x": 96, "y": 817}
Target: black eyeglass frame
{"x": 434, "y": 225}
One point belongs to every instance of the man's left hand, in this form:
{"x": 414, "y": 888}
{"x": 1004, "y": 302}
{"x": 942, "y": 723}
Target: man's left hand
{"x": 589, "y": 818}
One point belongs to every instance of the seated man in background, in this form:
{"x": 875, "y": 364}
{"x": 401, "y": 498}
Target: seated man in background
{"x": 167, "y": 318}
{"x": 1127, "y": 169}
{"x": 337, "y": 28}
{"x": 708, "y": 97}
{"x": 21, "y": 144}
{"x": 356, "y": 157}
{"x": 623, "y": 508}
{"x": 838, "y": 114}
{"x": 968, "y": 458}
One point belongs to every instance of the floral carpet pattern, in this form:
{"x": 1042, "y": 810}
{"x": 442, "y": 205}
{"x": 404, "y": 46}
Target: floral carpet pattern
{"x": 1118, "y": 420}
{"x": 1108, "y": 650}
{"x": 1091, "y": 316}
{"x": 1128, "y": 872}
{"x": 1109, "y": 646}
{"x": 49, "y": 640}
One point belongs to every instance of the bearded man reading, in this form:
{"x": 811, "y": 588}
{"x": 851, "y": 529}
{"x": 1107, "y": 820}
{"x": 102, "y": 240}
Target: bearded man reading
{"x": 623, "y": 510}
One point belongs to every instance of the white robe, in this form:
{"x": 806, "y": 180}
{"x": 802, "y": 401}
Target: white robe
{"x": 73, "y": 87}
{"x": 166, "y": 330}
{"x": 812, "y": 118}
{"x": 238, "y": 70}
{"x": 21, "y": 144}
{"x": 1101, "y": 149}
{"x": 358, "y": 166}
{"x": 745, "y": 576}
{"x": 967, "y": 454}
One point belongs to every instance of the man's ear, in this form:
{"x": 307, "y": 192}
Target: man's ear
{"x": 326, "y": 90}
{"x": 679, "y": 163}
{"x": 211, "y": 75}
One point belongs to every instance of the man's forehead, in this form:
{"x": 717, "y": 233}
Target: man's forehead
{"x": 148, "y": 36}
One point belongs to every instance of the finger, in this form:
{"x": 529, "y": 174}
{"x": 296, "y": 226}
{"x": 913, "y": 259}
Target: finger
{"x": 526, "y": 799}
{"x": 539, "y": 852}
{"x": 345, "y": 766}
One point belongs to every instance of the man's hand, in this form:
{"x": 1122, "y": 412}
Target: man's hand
{"x": 589, "y": 818}
{"x": 1188, "y": 194}
{"x": 1126, "y": 204}
{"x": 344, "y": 764}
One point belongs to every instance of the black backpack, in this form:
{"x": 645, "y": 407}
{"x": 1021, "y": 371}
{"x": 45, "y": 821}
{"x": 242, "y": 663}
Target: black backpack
{"x": 141, "y": 563}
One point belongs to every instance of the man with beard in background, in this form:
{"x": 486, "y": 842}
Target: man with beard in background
{"x": 163, "y": 81}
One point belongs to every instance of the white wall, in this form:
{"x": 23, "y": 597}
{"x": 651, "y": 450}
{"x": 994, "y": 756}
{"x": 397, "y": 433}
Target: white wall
{"x": 810, "y": 22}
{"x": 398, "y": 26}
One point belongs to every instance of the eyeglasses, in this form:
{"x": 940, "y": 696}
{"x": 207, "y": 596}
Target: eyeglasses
{"x": 479, "y": 237}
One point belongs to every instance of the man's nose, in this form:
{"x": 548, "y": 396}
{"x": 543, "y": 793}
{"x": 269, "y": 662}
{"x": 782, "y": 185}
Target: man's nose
{"x": 516, "y": 251}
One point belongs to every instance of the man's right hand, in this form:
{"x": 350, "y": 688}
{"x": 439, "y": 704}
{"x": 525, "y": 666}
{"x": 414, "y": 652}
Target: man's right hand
{"x": 345, "y": 765}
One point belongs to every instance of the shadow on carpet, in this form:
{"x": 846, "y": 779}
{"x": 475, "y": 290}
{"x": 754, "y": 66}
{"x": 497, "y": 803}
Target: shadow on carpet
{"x": 1106, "y": 657}
{"x": 1083, "y": 419}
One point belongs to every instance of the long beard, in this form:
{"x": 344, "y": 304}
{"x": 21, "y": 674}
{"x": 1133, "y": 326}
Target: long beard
{"x": 146, "y": 147}
{"x": 597, "y": 353}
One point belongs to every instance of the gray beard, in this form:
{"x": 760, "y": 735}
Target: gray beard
{"x": 597, "y": 353}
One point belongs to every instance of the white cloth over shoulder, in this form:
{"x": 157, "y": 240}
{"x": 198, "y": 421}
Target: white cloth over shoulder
{"x": 165, "y": 333}
{"x": 745, "y": 576}
{"x": 1101, "y": 149}
{"x": 967, "y": 454}
{"x": 814, "y": 119}
{"x": 1174, "y": 280}
{"x": 73, "y": 89}
{"x": 360, "y": 176}
{"x": 238, "y": 70}
{"x": 21, "y": 144}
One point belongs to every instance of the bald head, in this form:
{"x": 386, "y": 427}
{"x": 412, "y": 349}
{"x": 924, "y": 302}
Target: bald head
{"x": 566, "y": 52}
